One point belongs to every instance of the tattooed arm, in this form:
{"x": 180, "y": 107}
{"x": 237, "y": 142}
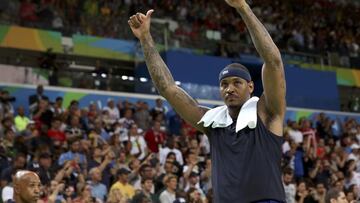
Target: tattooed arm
{"x": 184, "y": 105}
{"x": 272, "y": 104}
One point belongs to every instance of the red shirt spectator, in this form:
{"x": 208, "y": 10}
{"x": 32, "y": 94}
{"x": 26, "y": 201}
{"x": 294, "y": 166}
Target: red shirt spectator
{"x": 155, "y": 137}
{"x": 28, "y": 11}
{"x": 54, "y": 132}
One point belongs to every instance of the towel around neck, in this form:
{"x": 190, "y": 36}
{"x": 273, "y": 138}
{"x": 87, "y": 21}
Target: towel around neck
{"x": 219, "y": 117}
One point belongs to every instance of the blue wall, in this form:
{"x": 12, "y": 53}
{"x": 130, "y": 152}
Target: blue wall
{"x": 305, "y": 88}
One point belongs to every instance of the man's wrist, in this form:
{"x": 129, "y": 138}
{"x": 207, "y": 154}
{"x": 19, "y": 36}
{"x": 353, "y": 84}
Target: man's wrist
{"x": 145, "y": 37}
{"x": 242, "y": 7}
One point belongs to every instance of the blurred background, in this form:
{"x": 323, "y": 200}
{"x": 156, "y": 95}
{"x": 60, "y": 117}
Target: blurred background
{"x": 76, "y": 98}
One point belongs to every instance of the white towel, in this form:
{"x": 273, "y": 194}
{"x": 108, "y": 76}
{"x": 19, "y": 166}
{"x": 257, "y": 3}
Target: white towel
{"x": 219, "y": 117}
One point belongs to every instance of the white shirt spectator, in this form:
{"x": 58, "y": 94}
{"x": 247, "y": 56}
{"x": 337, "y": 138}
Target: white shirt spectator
{"x": 290, "y": 191}
{"x": 205, "y": 144}
{"x": 165, "y": 151}
{"x": 113, "y": 112}
{"x": 167, "y": 197}
{"x": 285, "y": 147}
{"x": 296, "y": 136}
{"x": 7, "y": 193}
{"x": 135, "y": 148}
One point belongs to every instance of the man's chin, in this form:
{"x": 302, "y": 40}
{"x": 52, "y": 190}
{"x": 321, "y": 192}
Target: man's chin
{"x": 232, "y": 104}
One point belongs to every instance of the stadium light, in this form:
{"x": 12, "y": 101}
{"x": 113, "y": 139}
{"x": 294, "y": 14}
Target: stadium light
{"x": 124, "y": 77}
{"x": 143, "y": 79}
{"x": 103, "y": 75}
{"x": 131, "y": 78}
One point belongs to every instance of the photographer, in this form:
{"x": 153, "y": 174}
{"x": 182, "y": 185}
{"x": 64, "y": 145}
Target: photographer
{"x": 35, "y": 98}
{"x": 6, "y": 108}
{"x": 48, "y": 62}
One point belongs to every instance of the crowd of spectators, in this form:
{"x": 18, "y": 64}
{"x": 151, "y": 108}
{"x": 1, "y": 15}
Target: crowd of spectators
{"x": 305, "y": 26}
{"x": 131, "y": 152}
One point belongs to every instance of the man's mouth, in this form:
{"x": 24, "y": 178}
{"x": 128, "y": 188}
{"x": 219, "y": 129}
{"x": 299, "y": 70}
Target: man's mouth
{"x": 231, "y": 96}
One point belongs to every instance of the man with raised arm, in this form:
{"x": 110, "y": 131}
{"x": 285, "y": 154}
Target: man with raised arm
{"x": 246, "y": 133}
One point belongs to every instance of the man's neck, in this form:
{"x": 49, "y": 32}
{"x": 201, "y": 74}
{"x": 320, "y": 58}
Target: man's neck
{"x": 123, "y": 182}
{"x": 147, "y": 193}
{"x": 170, "y": 190}
{"x": 97, "y": 159}
{"x": 234, "y": 112}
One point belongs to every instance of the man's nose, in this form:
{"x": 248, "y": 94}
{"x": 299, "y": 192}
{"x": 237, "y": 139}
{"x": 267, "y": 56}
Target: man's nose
{"x": 37, "y": 190}
{"x": 230, "y": 89}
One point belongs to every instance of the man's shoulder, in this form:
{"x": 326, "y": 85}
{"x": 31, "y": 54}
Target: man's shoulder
{"x": 164, "y": 193}
{"x": 116, "y": 185}
{"x": 99, "y": 186}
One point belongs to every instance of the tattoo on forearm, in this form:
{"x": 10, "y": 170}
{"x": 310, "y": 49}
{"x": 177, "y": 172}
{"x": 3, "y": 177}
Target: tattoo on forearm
{"x": 158, "y": 70}
{"x": 260, "y": 36}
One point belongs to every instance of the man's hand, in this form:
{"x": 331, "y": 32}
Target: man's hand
{"x": 236, "y": 3}
{"x": 140, "y": 24}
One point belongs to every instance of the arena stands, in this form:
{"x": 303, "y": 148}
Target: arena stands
{"x": 91, "y": 146}
{"x": 290, "y": 22}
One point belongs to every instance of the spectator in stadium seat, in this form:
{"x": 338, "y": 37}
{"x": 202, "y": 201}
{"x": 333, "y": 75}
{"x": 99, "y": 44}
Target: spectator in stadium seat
{"x": 55, "y": 133}
{"x": 34, "y": 99}
{"x": 147, "y": 188}
{"x": 302, "y": 193}
{"x": 138, "y": 147}
{"x": 73, "y": 154}
{"x": 159, "y": 108}
{"x": 43, "y": 115}
{"x": 127, "y": 120}
{"x": 335, "y": 196}
{"x": 289, "y": 186}
{"x": 58, "y": 108}
{"x": 18, "y": 163}
{"x": 194, "y": 196}
{"x": 98, "y": 189}
{"x": 7, "y": 192}
{"x": 205, "y": 176}
{"x": 26, "y": 187}
{"x": 319, "y": 193}
{"x": 44, "y": 168}
{"x": 113, "y": 110}
{"x": 74, "y": 130}
{"x": 122, "y": 184}
{"x": 170, "y": 147}
{"x": 102, "y": 160}
{"x": 155, "y": 137}
{"x": 27, "y": 12}
{"x": 169, "y": 194}
{"x": 21, "y": 121}
{"x": 142, "y": 115}
{"x": 295, "y": 134}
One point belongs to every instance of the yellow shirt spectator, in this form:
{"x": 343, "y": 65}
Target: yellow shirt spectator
{"x": 21, "y": 121}
{"x": 127, "y": 190}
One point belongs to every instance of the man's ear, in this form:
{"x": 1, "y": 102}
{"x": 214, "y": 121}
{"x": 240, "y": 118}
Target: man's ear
{"x": 17, "y": 189}
{"x": 251, "y": 87}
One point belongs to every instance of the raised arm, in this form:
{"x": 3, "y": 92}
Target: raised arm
{"x": 185, "y": 105}
{"x": 273, "y": 70}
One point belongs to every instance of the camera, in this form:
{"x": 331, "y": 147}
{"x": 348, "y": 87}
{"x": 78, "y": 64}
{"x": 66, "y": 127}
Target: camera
{"x": 8, "y": 99}
{"x": 5, "y": 97}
